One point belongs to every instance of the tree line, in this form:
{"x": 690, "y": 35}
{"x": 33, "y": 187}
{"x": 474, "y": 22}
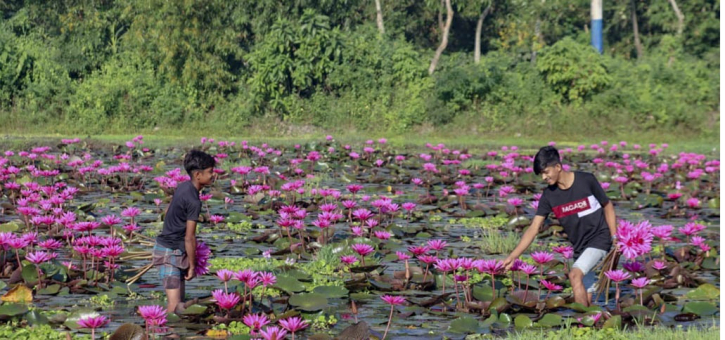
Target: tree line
{"x": 95, "y": 66}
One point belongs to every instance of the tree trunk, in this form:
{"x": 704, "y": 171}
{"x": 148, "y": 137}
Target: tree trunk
{"x": 479, "y": 27}
{"x": 444, "y": 38}
{"x": 379, "y": 10}
{"x": 440, "y": 17}
{"x": 537, "y": 34}
{"x": 635, "y": 27}
{"x": 680, "y": 17}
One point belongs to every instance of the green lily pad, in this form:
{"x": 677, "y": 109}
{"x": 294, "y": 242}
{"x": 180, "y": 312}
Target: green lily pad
{"x": 499, "y": 304}
{"x": 504, "y": 318}
{"x": 464, "y": 325}
{"x": 710, "y": 263}
{"x": 588, "y": 320}
{"x": 523, "y": 322}
{"x": 555, "y": 302}
{"x": 704, "y": 292}
{"x": 549, "y": 320}
{"x": 9, "y": 227}
{"x": 289, "y": 284}
{"x": 72, "y": 320}
{"x": 613, "y": 322}
{"x": 194, "y": 310}
{"x": 700, "y": 308}
{"x": 309, "y": 301}
{"x": 580, "y": 308}
{"x": 331, "y": 292}
{"x": 30, "y": 274}
{"x": 172, "y": 318}
{"x": 50, "y": 290}
{"x": 490, "y": 321}
{"x": 12, "y": 309}
{"x": 36, "y": 318}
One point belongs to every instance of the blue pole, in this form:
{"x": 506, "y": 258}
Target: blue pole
{"x": 597, "y": 25}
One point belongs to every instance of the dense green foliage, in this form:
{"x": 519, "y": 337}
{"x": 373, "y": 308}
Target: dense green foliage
{"x": 100, "y": 66}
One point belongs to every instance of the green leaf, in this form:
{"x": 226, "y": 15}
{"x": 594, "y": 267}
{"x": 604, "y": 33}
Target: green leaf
{"x": 464, "y": 325}
{"x": 549, "y": 320}
{"x": 704, "y": 292}
{"x": 13, "y": 309}
{"x": 194, "y": 310}
{"x": 700, "y": 308}
{"x": 613, "y": 322}
{"x": 309, "y": 302}
{"x": 289, "y": 284}
{"x": 331, "y": 291}
{"x": 523, "y": 322}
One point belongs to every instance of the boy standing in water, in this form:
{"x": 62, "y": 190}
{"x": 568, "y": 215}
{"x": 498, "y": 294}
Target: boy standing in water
{"x": 583, "y": 209}
{"x": 175, "y": 250}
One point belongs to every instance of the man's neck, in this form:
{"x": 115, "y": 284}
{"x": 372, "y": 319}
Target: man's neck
{"x": 196, "y": 185}
{"x": 566, "y": 180}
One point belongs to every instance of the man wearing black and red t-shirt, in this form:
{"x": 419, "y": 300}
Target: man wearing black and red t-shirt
{"x": 583, "y": 209}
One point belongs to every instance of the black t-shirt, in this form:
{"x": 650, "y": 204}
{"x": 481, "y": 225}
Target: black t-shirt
{"x": 579, "y": 210}
{"x": 185, "y": 206}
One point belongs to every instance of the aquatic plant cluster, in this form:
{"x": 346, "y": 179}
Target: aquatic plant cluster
{"x": 341, "y": 228}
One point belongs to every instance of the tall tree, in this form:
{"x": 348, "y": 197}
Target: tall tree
{"x": 479, "y": 27}
{"x": 379, "y": 11}
{"x": 635, "y": 28}
{"x": 444, "y": 38}
{"x": 680, "y": 17}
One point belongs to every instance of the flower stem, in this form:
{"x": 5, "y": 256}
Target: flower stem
{"x": 390, "y": 319}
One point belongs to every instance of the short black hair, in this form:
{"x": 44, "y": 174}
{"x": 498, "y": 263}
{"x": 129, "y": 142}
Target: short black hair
{"x": 196, "y": 160}
{"x": 546, "y": 157}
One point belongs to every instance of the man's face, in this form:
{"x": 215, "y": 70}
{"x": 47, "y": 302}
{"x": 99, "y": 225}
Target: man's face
{"x": 550, "y": 174}
{"x": 205, "y": 177}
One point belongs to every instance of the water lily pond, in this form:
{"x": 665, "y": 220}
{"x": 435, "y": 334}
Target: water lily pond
{"x": 325, "y": 240}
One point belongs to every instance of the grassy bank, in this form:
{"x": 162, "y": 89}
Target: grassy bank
{"x": 162, "y": 138}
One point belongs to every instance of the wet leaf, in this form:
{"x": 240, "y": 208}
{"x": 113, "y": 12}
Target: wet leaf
{"x": 194, "y": 310}
{"x": 36, "y": 318}
{"x": 550, "y": 320}
{"x": 704, "y": 292}
{"x": 30, "y": 274}
{"x": 309, "y": 301}
{"x": 700, "y": 308}
{"x": 289, "y": 284}
{"x": 464, "y": 325}
{"x": 580, "y": 308}
{"x": 12, "y": 309}
{"x": 686, "y": 317}
{"x": 19, "y": 293}
{"x": 523, "y": 322}
{"x": 72, "y": 320}
{"x": 9, "y": 227}
{"x": 331, "y": 292}
{"x": 613, "y": 322}
{"x": 555, "y": 302}
{"x": 50, "y": 290}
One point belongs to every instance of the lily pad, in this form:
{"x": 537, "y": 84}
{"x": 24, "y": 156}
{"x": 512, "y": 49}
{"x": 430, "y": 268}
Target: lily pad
{"x": 549, "y": 320}
{"x": 464, "y": 325}
{"x": 36, "y": 318}
{"x": 72, "y": 320}
{"x": 331, "y": 292}
{"x": 309, "y": 301}
{"x": 704, "y": 292}
{"x": 700, "y": 308}
{"x": 289, "y": 284}
{"x": 555, "y": 302}
{"x": 194, "y": 310}
{"x": 613, "y": 322}
{"x": 523, "y": 322}
{"x": 19, "y": 293}
{"x": 12, "y": 309}
{"x": 50, "y": 290}
{"x": 580, "y": 308}
{"x": 30, "y": 274}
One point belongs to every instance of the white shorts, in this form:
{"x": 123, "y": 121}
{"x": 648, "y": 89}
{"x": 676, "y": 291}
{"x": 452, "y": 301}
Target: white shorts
{"x": 589, "y": 258}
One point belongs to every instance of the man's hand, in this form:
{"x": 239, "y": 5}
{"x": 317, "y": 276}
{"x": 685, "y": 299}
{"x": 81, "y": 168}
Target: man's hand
{"x": 508, "y": 263}
{"x": 190, "y": 273}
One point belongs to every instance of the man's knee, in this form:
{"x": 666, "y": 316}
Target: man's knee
{"x": 576, "y": 276}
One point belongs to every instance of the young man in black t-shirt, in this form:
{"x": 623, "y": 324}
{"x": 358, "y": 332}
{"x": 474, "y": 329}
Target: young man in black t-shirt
{"x": 583, "y": 209}
{"x": 175, "y": 250}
